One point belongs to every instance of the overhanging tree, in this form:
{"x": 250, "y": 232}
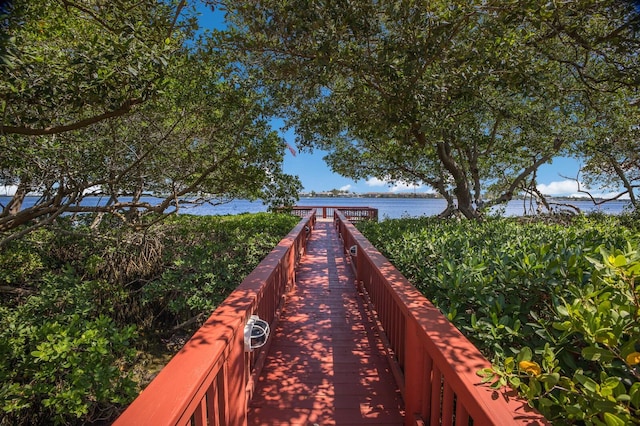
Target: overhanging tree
{"x": 612, "y": 158}
{"x": 603, "y": 59}
{"x": 135, "y": 104}
{"x": 73, "y": 64}
{"x": 469, "y": 97}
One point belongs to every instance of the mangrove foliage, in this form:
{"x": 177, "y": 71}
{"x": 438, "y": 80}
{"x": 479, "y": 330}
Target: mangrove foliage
{"x": 555, "y": 306}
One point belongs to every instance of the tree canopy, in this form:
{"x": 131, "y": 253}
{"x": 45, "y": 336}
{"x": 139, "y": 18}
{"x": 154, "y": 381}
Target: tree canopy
{"x": 468, "y": 97}
{"x": 125, "y": 99}
{"x": 132, "y": 98}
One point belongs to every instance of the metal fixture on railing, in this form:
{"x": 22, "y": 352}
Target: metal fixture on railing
{"x": 353, "y": 250}
{"x": 221, "y": 374}
{"x": 256, "y": 333}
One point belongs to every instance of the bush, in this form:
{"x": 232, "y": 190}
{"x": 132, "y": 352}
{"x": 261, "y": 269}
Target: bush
{"x": 59, "y": 370}
{"x": 83, "y": 309}
{"x": 206, "y": 258}
{"x": 555, "y": 307}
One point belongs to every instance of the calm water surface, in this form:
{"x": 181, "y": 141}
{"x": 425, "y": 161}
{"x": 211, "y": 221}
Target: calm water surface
{"x": 391, "y": 208}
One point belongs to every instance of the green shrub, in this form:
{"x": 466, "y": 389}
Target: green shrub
{"x": 60, "y": 370}
{"x": 22, "y": 259}
{"x": 555, "y": 307}
{"x": 206, "y": 258}
{"x": 83, "y": 308}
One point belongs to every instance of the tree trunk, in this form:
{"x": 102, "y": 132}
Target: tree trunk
{"x": 462, "y": 192}
{"x": 623, "y": 178}
{"x": 15, "y": 204}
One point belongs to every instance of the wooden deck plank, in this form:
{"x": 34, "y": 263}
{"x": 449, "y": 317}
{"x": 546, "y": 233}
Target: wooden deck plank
{"x": 325, "y": 365}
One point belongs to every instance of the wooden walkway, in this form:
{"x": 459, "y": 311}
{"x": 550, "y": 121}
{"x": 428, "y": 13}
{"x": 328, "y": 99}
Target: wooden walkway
{"x": 326, "y": 364}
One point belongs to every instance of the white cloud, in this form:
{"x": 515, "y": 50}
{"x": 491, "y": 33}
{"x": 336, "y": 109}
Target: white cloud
{"x": 403, "y": 186}
{"x": 345, "y": 188}
{"x": 8, "y": 190}
{"x": 564, "y": 187}
{"x": 569, "y": 188}
{"x": 376, "y": 182}
{"x": 91, "y": 190}
{"x": 393, "y": 187}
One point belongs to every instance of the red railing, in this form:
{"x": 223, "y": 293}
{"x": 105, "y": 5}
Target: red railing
{"x": 434, "y": 364}
{"x": 354, "y": 214}
{"x": 211, "y": 379}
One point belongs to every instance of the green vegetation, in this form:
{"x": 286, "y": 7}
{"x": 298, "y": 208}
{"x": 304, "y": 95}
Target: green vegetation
{"x": 132, "y": 98}
{"x": 556, "y": 306}
{"x": 126, "y": 99}
{"x": 83, "y": 318}
{"x": 469, "y": 97}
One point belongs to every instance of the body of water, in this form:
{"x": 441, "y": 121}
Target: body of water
{"x": 394, "y": 208}
{"x": 387, "y": 207}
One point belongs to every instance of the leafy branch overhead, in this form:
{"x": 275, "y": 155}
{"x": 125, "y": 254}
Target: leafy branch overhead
{"x": 74, "y": 64}
{"x": 122, "y": 100}
{"x": 469, "y": 97}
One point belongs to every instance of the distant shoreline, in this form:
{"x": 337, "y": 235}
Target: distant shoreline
{"x": 330, "y": 194}
{"x": 427, "y": 195}
{"x": 422, "y": 195}
{"x": 403, "y": 195}
{"x": 389, "y": 205}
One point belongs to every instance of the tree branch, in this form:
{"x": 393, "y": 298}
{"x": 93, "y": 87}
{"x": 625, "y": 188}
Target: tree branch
{"x": 593, "y": 199}
{"x": 22, "y": 130}
{"x": 508, "y": 194}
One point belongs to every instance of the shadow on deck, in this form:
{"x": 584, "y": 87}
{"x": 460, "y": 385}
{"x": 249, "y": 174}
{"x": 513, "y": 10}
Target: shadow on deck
{"x": 326, "y": 364}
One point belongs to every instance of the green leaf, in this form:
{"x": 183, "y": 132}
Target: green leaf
{"x": 562, "y": 310}
{"x": 574, "y": 409}
{"x": 623, "y": 398}
{"x": 562, "y": 326}
{"x": 132, "y": 70}
{"x": 545, "y": 402}
{"x": 551, "y": 379}
{"x": 525, "y": 354}
{"x": 587, "y": 382}
{"x": 41, "y": 355}
{"x": 634, "y": 394}
{"x": 605, "y": 406}
{"x": 612, "y": 420}
{"x": 619, "y": 261}
{"x": 509, "y": 364}
{"x": 535, "y": 388}
{"x": 593, "y": 353}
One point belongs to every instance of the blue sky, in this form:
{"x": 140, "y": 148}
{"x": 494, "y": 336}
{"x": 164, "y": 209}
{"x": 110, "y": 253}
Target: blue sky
{"x": 317, "y": 176}
{"x": 555, "y": 179}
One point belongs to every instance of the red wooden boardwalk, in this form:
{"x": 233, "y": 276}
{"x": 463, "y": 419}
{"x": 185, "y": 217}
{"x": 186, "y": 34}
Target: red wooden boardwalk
{"x": 326, "y": 364}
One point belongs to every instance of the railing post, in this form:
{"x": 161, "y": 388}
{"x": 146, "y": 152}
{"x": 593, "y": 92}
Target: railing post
{"x": 294, "y": 252}
{"x": 360, "y": 264}
{"x": 414, "y": 374}
{"x": 237, "y": 382}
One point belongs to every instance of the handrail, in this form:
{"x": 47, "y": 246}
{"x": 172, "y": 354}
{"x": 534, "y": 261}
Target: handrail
{"x": 353, "y": 213}
{"x": 211, "y": 379}
{"x": 435, "y": 365}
